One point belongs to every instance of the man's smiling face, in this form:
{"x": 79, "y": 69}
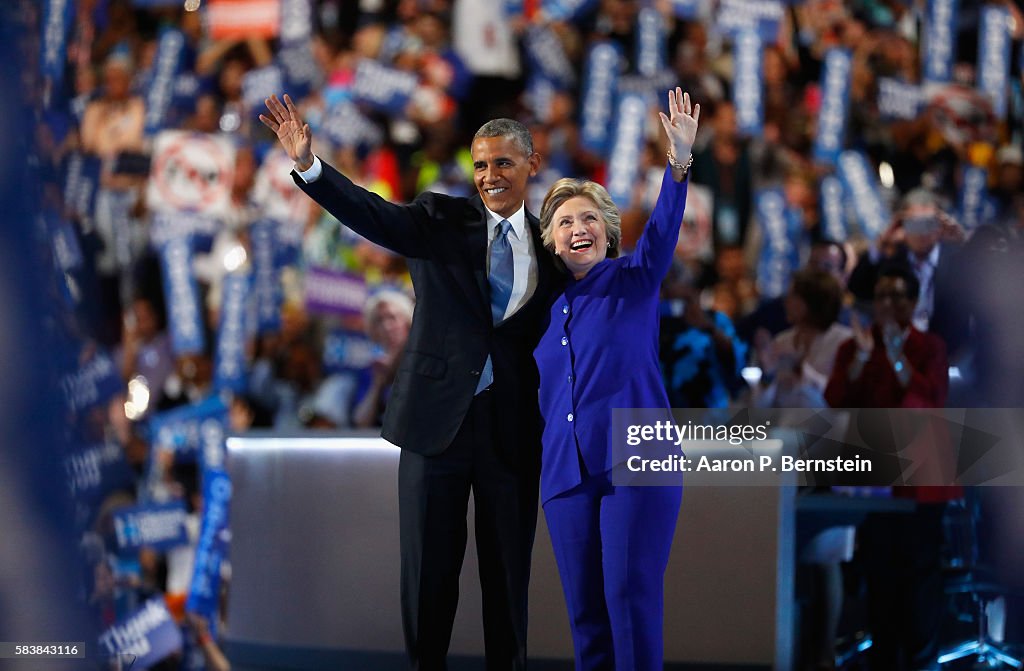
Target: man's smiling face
{"x": 500, "y": 171}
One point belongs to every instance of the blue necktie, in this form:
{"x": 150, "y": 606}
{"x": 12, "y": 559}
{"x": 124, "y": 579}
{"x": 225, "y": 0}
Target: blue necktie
{"x": 501, "y": 276}
{"x": 502, "y": 271}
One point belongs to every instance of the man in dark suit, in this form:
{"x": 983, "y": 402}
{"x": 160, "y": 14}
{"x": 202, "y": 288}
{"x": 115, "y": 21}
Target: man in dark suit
{"x": 463, "y": 407}
{"x": 923, "y": 239}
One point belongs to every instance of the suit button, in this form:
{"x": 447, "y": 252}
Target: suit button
{"x": 565, "y": 309}
{"x": 570, "y": 379}
{"x": 474, "y": 373}
{"x": 569, "y": 417}
{"x": 565, "y": 341}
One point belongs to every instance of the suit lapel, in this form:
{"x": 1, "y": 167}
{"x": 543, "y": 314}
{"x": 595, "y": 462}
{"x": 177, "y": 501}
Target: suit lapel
{"x": 475, "y": 284}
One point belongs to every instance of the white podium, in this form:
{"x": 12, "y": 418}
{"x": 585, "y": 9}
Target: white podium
{"x": 315, "y": 567}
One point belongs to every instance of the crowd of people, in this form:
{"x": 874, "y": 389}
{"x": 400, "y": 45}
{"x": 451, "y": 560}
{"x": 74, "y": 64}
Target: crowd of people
{"x": 862, "y": 318}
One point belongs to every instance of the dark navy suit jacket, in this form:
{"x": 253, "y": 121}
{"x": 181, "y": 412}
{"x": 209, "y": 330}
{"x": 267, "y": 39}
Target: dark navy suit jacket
{"x": 444, "y": 240}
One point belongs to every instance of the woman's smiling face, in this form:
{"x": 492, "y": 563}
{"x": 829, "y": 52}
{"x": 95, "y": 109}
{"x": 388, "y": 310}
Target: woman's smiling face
{"x": 581, "y": 239}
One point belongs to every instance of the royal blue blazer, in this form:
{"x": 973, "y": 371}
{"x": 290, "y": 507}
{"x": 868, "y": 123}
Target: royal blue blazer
{"x": 599, "y": 349}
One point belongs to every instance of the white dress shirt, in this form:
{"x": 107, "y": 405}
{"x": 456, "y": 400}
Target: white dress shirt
{"x": 314, "y": 171}
{"x": 524, "y": 259}
{"x": 925, "y": 271}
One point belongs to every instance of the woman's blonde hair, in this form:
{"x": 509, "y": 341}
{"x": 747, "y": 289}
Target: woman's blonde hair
{"x": 567, "y": 188}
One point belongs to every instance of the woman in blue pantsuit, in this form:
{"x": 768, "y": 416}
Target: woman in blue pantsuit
{"x": 599, "y": 352}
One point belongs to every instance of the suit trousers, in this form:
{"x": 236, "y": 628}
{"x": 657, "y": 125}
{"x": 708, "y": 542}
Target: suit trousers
{"x": 433, "y": 502}
{"x": 612, "y": 547}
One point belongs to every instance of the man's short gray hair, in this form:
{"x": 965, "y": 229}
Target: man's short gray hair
{"x": 510, "y": 128}
{"x": 919, "y": 197}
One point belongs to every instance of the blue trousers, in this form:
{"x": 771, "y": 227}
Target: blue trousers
{"x": 612, "y": 546}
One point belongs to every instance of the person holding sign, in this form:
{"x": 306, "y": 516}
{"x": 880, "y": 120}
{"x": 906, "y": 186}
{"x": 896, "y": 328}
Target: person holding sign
{"x": 463, "y": 406}
{"x": 600, "y": 351}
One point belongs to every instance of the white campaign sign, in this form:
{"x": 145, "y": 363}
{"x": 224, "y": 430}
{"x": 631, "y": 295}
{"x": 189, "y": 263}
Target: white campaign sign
{"x": 279, "y": 198}
{"x": 192, "y": 172}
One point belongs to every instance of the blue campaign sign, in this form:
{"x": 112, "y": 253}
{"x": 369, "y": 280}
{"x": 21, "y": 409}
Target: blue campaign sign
{"x": 296, "y": 21}
{"x": 835, "y": 97}
{"x": 973, "y": 196}
{"x": 761, "y": 16}
{"x": 833, "y": 209}
{"x": 167, "y": 226}
{"x": 259, "y": 83}
{"x": 653, "y": 88}
{"x": 689, "y": 9}
{"x": 748, "y": 86}
{"x": 190, "y": 430}
{"x": 940, "y": 41}
{"x": 81, "y": 181}
{"x": 539, "y": 96}
{"x": 346, "y": 126}
{"x": 67, "y": 253}
{"x": 184, "y": 315}
{"x": 624, "y": 158}
{"x": 348, "y": 351}
{"x": 861, "y": 186}
{"x": 211, "y": 550}
{"x": 160, "y": 526}
{"x": 773, "y": 216}
{"x": 899, "y": 100}
{"x": 212, "y": 445}
{"x": 150, "y": 634}
{"x": 58, "y": 17}
{"x": 994, "y": 57}
{"x": 566, "y": 10}
{"x": 383, "y": 88}
{"x": 167, "y": 63}
{"x": 187, "y": 87}
{"x": 94, "y": 382}
{"x": 230, "y": 366}
{"x": 780, "y": 254}
{"x": 651, "y": 51}
{"x": 546, "y": 56}
{"x": 269, "y": 295}
{"x": 299, "y": 67}
{"x": 600, "y": 80}
{"x": 95, "y": 471}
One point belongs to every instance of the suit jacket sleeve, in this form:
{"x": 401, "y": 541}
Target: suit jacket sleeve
{"x": 657, "y": 244}
{"x": 950, "y": 318}
{"x": 404, "y": 229}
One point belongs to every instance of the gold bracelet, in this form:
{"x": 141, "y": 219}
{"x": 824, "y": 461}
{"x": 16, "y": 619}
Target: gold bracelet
{"x": 676, "y": 165}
